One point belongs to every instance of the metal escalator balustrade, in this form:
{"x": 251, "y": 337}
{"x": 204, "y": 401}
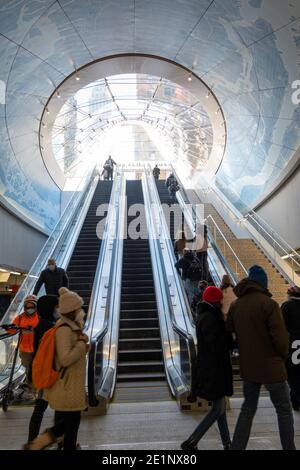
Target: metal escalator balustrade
{"x": 140, "y": 351}
{"x": 82, "y": 266}
{"x": 175, "y": 319}
{"x": 56, "y": 247}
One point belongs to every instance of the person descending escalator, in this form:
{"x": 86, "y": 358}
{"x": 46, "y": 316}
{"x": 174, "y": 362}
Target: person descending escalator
{"x": 53, "y": 277}
{"x": 291, "y": 314}
{"x": 213, "y": 376}
{"x": 173, "y": 188}
{"x": 228, "y": 294}
{"x": 156, "y": 172}
{"x": 198, "y": 296}
{"x": 170, "y": 179}
{"x": 106, "y": 171}
{"x": 200, "y": 245}
{"x": 179, "y": 245}
{"x": 109, "y": 166}
{"x": 190, "y": 272}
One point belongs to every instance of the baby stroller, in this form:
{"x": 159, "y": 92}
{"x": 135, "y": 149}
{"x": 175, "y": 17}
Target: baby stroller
{"x": 8, "y": 394}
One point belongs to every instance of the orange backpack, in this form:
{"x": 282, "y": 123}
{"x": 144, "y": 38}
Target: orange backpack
{"x": 44, "y": 374}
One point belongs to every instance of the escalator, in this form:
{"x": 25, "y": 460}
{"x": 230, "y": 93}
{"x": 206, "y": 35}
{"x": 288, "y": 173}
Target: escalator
{"x": 165, "y": 199}
{"x": 82, "y": 266}
{"x": 140, "y": 373}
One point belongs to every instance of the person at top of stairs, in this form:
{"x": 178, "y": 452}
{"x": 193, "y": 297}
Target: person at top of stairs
{"x": 263, "y": 345}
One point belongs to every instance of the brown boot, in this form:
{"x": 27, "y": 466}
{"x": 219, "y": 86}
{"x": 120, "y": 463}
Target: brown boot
{"x": 41, "y": 441}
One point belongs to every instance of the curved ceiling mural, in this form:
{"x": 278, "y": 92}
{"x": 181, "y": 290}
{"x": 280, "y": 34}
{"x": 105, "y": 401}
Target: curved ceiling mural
{"x": 247, "y": 51}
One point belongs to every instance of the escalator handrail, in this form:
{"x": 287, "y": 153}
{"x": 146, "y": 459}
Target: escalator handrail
{"x": 43, "y": 255}
{"x": 95, "y": 341}
{"x": 212, "y": 242}
{"x": 170, "y": 246}
{"x": 180, "y": 331}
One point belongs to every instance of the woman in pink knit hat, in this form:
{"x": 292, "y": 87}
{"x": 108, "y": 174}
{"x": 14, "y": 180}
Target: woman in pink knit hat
{"x": 67, "y": 396}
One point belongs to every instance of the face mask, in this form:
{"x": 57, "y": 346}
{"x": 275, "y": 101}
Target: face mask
{"x": 51, "y": 267}
{"x": 80, "y": 316}
{"x": 30, "y": 311}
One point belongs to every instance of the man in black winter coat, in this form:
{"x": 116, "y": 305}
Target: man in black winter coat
{"x": 291, "y": 314}
{"x": 53, "y": 277}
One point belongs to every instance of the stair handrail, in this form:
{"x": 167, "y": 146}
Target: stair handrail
{"x": 270, "y": 233}
{"x": 101, "y": 334}
{"x": 237, "y": 259}
{"x": 176, "y": 327}
{"x": 52, "y": 241}
{"x": 288, "y": 251}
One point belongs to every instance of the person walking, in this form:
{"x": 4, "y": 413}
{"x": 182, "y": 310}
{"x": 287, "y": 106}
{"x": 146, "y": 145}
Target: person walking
{"x": 262, "y": 340}
{"x": 291, "y": 314}
{"x": 228, "y": 294}
{"x": 156, "y": 172}
{"x": 67, "y": 396}
{"x": 53, "y": 278}
{"x": 46, "y": 308}
{"x": 213, "y": 377}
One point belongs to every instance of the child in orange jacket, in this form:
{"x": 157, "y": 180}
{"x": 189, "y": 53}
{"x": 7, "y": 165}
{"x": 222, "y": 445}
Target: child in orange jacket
{"x": 28, "y": 319}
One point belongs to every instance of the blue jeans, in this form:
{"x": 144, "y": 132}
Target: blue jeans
{"x": 279, "y": 394}
{"x": 216, "y": 413}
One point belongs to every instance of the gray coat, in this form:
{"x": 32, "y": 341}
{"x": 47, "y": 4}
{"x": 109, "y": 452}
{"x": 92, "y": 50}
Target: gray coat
{"x": 68, "y": 393}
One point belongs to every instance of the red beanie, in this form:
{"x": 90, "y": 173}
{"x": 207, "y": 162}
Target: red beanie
{"x": 212, "y": 295}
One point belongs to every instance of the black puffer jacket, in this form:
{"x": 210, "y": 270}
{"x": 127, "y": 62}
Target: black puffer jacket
{"x": 213, "y": 377}
{"x": 53, "y": 280}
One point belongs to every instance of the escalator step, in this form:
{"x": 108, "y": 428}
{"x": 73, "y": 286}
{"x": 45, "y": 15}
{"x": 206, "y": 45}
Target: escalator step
{"x": 139, "y": 333}
{"x": 132, "y": 377}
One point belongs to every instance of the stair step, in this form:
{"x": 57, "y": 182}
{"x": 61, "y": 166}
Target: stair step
{"x": 139, "y": 322}
{"x": 139, "y": 333}
{"x": 131, "y": 305}
{"x": 142, "y": 366}
{"x": 139, "y": 343}
{"x": 140, "y": 355}
{"x": 140, "y": 297}
{"x": 131, "y": 314}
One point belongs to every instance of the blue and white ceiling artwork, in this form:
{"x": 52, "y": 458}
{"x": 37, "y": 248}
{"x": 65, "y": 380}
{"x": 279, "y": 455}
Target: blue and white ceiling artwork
{"x": 247, "y": 51}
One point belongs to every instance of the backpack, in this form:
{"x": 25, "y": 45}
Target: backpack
{"x": 174, "y": 187}
{"x": 194, "y": 272}
{"x": 44, "y": 374}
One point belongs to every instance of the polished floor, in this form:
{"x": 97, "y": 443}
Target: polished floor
{"x": 149, "y": 425}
